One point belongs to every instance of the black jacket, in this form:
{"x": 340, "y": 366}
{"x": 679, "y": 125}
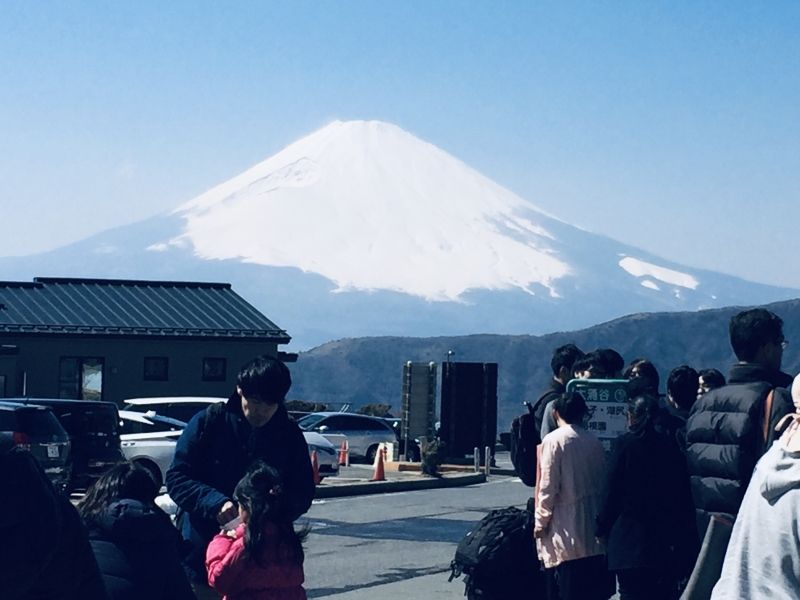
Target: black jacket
{"x": 648, "y": 516}
{"x": 724, "y": 436}
{"x": 45, "y": 553}
{"x": 137, "y": 549}
{"x": 212, "y": 455}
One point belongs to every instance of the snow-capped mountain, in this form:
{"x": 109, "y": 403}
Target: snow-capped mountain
{"x": 363, "y": 229}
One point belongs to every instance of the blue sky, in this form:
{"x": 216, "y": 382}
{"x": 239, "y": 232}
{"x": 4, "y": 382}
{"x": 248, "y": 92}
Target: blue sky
{"x": 672, "y": 126}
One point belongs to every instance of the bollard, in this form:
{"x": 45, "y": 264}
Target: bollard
{"x": 488, "y": 458}
{"x": 477, "y": 459}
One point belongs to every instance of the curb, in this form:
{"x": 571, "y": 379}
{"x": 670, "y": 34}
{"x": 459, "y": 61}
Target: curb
{"x": 383, "y": 487}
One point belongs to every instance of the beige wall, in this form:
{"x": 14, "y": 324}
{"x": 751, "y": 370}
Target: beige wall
{"x": 39, "y": 358}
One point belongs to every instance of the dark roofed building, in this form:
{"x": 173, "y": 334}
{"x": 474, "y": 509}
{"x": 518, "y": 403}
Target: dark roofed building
{"x": 115, "y": 339}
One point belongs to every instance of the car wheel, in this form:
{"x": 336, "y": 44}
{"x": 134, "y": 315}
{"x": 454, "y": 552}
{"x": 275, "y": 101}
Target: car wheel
{"x": 152, "y": 470}
{"x": 371, "y": 452}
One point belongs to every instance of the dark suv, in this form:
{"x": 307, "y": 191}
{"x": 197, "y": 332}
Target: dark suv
{"x": 36, "y": 429}
{"x": 93, "y": 429}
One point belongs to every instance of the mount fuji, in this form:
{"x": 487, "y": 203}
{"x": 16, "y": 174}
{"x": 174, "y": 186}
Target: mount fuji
{"x": 363, "y": 229}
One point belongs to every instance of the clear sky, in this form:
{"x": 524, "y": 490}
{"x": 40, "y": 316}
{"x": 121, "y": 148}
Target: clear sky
{"x": 673, "y": 126}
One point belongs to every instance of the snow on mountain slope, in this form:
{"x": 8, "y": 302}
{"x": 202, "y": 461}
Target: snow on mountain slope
{"x": 369, "y": 206}
{"x": 362, "y": 229}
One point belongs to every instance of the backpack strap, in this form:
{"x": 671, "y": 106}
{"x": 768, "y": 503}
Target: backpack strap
{"x": 215, "y": 414}
{"x": 767, "y": 415}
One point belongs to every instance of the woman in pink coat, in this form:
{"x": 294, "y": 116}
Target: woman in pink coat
{"x": 262, "y": 559}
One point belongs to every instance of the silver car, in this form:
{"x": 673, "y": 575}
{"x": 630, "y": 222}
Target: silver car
{"x": 364, "y": 433}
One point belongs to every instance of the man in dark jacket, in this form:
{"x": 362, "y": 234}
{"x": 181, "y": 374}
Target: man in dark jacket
{"x": 45, "y": 554}
{"x": 731, "y": 427}
{"x": 218, "y": 446}
{"x": 561, "y": 363}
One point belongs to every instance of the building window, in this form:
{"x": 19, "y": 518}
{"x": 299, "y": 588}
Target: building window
{"x": 213, "y": 369}
{"x": 156, "y": 368}
{"x": 80, "y": 378}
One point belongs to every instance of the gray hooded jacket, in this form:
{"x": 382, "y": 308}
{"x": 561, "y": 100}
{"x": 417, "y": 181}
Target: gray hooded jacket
{"x": 763, "y": 557}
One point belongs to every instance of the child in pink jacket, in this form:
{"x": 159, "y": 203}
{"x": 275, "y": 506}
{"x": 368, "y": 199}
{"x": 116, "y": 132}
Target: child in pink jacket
{"x": 262, "y": 559}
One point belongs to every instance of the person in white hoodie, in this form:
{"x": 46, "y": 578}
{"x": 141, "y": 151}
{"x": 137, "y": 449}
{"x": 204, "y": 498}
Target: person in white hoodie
{"x": 763, "y": 556}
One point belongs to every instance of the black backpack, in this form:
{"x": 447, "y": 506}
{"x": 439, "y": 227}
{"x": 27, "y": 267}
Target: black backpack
{"x": 524, "y": 439}
{"x": 498, "y": 558}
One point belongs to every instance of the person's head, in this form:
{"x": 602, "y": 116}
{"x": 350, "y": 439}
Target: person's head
{"x": 262, "y": 384}
{"x": 642, "y": 410}
{"x": 611, "y": 361}
{"x": 124, "y": 481}
{"x": 757, "y": 337}
{"x": 647, "y": 374}
{"x": 590, "y": 366}
{"x": 564, "y": 358}
{"x": 682, "y": 387}
{"x": 709, "y": 379}
{"x": 570, "y": 408}
{"x": 259, "y": 495}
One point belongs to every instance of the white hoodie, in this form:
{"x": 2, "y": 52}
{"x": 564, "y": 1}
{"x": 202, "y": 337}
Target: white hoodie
{"x": 763, "y": 557}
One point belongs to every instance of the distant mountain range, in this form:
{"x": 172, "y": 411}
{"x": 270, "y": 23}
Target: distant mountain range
{"x": 367, "y": 370}
{"x": 362, "y": 229}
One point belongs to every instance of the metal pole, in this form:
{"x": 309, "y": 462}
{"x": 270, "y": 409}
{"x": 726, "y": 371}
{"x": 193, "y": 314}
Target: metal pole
{"x": 488, "y": 460}
{"x": 477, "y": 459}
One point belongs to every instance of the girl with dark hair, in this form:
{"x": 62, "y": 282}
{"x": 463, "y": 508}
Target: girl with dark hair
{"x": 263, "y": 556}
{"x": 136, "y": 546}
{"x": 648, "y": 516}
{"x": 568, "y": 498}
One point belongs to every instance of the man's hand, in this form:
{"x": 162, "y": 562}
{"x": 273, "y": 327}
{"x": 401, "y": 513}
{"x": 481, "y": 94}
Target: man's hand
{"x": 228, "y": 512}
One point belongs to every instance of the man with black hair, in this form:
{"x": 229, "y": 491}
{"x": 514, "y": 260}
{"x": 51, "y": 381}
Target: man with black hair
{"x": 681, "y": 395}
{"x": 589, "y": 366}
{"x": 729, "y": 428}
{"x": 220, "y": 443}
{"x": 561, "y": 363}
{"x": 709, "y": 379}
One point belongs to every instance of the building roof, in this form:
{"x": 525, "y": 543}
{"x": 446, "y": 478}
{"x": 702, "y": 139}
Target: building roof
{"x": 131, "y": 308}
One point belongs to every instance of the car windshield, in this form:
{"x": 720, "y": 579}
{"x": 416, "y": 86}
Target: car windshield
{"x": 39, "y": 423}
{"x": 309, "y": 421}
{"x": 97, "y": 421}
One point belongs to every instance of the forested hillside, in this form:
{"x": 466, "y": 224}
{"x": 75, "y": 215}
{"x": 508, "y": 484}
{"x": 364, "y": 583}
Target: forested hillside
{"x": 366, "y": 370}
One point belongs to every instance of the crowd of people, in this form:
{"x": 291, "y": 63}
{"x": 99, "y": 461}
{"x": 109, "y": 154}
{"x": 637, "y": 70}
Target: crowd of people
{"x": 633, "y": 519}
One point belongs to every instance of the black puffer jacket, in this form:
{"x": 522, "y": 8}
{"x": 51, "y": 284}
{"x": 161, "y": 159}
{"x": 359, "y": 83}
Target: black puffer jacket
{"x": 137, "y": 549}
{"x": 45, "y": 554}
{"x": 724, "y": 436}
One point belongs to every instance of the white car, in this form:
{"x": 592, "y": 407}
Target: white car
{"x": 148, "y": 440}
{"x": 183, "y": 408}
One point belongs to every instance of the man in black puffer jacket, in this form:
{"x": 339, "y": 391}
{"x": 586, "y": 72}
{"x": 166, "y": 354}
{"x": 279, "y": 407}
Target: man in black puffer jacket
{"x": 731, "y": 427}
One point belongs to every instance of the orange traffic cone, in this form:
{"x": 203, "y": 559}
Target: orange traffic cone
{"x": 379, "y": 474}
{"x": 315, "y": 467}
{"x": 344, "y": 454}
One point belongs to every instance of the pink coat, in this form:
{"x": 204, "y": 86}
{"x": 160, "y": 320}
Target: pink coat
{"x": 239, "y": 578}
{"x": 570, "y": 495}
